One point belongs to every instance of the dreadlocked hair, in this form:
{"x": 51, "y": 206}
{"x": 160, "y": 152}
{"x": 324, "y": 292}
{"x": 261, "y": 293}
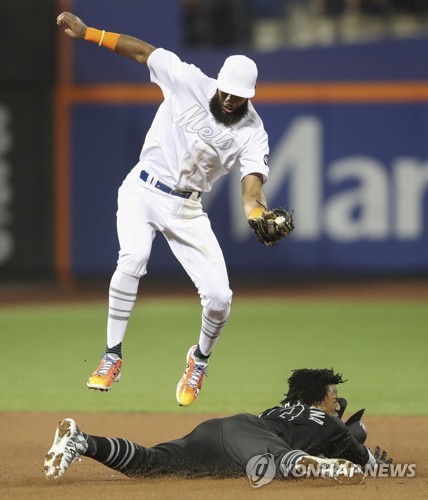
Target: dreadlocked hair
{"x": 310, "y": 386}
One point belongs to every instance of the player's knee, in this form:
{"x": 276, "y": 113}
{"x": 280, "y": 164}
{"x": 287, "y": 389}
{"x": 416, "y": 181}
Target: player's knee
{"x": 218, "y": 300}
{"x": 134, "y": 264}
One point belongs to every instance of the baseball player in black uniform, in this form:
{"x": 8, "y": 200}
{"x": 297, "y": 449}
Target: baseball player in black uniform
{"x": 305, "y": 430}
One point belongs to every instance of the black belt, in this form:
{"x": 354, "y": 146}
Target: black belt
{"x": 166, "y": 189}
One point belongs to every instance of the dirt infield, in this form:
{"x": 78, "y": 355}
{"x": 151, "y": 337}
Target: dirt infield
{"x": 25, "y": 438}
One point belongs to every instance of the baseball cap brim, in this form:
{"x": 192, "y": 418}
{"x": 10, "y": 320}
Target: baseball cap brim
{"x": 238, "y": 91}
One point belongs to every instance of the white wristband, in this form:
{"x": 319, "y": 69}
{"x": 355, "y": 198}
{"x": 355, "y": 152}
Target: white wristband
{"x": 371, "y": 460}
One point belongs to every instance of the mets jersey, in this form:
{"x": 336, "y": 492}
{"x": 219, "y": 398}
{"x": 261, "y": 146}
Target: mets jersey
{"x": 186, "y": 148}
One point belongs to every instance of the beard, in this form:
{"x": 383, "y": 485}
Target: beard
{"x": 227, "y": 119}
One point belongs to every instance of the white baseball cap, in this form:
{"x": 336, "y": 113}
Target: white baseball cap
{"x": 238, "y": 76}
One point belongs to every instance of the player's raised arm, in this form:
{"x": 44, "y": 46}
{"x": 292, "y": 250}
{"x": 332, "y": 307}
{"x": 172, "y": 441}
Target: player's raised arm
{"x": 124, "y": 45}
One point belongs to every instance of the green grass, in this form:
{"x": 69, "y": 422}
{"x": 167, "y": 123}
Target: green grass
{"x": 380, "y": 347}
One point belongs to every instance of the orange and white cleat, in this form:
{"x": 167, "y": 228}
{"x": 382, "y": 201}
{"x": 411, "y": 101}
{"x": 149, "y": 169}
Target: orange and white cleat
{"x": 191, "y": 382}
{"x": 107, "y": 372}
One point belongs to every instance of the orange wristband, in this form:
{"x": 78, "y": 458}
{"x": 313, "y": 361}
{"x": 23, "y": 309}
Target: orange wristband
{"x": 104, "y": 38}
{"x": 256, "y": 213}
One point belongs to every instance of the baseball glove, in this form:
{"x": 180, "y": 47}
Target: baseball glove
{"x": 272, "y": 225}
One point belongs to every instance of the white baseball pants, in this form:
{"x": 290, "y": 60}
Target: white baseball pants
{"x": 143, "y": 210}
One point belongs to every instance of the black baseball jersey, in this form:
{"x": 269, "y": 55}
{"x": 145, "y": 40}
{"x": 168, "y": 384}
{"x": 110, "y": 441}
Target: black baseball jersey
{"x": 224, "y": 446}
{"x": 312, "y": 430}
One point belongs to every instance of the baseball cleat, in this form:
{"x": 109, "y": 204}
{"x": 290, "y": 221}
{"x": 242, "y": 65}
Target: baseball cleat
{"x": 191, "y": 382}
{"x": 337, "y": 469}
{"x": 107, "y": 372}
{"x": 68, "y": 445}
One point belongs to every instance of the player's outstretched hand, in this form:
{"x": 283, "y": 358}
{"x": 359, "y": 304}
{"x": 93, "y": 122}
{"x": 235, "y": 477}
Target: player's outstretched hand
{"x": 381, "y": 456}
{"x": 76, "y": 28}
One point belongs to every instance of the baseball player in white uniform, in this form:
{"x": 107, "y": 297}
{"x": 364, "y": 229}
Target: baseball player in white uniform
{"x": 203, "y": 129}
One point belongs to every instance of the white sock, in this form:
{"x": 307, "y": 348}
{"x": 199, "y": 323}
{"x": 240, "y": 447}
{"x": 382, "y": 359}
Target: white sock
{"x": 122, "y": 297}
{"x": 212, "y": 325}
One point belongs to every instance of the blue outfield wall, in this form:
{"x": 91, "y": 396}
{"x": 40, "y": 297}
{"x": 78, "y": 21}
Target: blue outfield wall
{"x": 355, "y": 174}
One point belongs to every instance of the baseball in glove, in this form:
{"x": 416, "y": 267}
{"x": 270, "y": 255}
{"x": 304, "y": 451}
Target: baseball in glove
{"x": 272, "y": 225}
